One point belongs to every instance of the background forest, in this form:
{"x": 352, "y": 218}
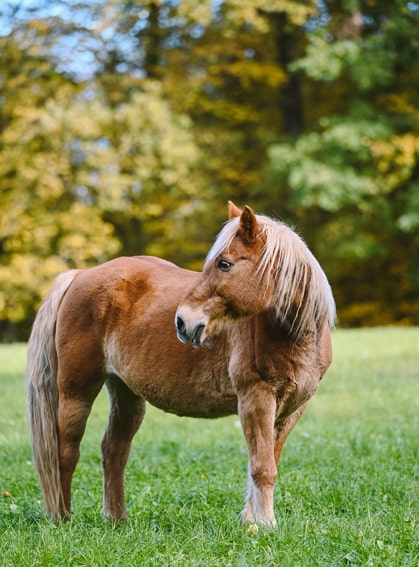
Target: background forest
{"x": 125, "y": 126}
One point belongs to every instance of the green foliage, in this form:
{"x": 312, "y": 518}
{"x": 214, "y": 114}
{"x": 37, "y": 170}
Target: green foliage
{"x": 346, "y": 491}
{"x": 332, "y": 168}
{"x": 367, "y": 64}
{"x": 358, "y": 163}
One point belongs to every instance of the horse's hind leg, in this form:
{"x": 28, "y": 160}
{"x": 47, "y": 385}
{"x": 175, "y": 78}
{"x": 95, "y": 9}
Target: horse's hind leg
{"x": 75, "y": 402}
{"x": 125, "y": 417}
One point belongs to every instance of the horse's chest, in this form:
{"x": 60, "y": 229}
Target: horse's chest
{"x": 293, "y": 377}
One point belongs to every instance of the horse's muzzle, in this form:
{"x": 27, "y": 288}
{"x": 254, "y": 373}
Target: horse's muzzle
{"x": 193, "y": 336}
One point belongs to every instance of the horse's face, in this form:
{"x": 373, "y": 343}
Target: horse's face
{"x": 230, "y": 286}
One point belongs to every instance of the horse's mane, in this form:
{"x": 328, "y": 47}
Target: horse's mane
{"x": 295, "y": 270}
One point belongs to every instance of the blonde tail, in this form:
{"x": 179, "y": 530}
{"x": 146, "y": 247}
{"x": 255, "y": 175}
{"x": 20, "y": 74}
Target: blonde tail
{"x": 41, "y": 379}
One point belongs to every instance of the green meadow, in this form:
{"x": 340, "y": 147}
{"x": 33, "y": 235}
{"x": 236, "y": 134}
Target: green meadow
{"x": 347, "y": 492}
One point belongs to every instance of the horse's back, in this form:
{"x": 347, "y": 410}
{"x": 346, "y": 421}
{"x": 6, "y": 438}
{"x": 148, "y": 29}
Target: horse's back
{"x": 105, "y": 297}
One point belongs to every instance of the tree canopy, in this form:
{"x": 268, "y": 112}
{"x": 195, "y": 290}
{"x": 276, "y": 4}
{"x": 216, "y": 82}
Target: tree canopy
{"x": 125, "y": 126}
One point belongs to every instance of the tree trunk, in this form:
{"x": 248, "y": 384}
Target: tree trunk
{"x": 152, "y": 39}
{"x": 290, "y": 97}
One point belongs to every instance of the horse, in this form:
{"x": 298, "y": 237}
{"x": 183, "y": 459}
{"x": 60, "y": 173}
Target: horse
{"x": 249, "y": 335}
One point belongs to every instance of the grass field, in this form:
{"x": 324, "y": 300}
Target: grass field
{"x": 346, "y": 495}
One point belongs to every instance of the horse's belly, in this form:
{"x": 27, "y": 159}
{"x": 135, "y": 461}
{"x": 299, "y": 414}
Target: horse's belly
{"x": 179, "y": 379}
{"x": 205, "y": 405}
{"x": 186, "y": 395}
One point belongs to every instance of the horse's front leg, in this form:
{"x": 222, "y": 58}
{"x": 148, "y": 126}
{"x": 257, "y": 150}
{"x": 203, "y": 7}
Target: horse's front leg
{"x": 257, "y": 407}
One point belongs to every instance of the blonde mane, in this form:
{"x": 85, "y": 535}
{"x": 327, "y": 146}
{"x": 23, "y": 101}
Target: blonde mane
{"x": 295, "y": 271}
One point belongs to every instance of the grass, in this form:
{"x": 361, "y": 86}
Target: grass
{"x": 347, "y": 492}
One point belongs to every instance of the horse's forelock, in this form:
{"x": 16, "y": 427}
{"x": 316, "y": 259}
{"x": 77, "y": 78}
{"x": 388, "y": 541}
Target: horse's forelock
{"x": 223, "y": 240}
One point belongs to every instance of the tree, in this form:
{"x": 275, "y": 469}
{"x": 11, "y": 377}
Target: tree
{"x": 45, "y": 228}
{"x": 356, "y": 170}
{"x": 126, "y": 125}
{"x": 74, "y": 170}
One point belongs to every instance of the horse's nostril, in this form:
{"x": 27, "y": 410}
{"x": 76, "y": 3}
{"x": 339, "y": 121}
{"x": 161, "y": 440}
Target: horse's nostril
{"x": 180, "y": 325}
{"x": 196, "y": 335}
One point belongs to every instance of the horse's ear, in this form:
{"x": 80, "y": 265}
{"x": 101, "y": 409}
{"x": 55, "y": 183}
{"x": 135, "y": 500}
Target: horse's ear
{"x": 233, "y": 211}
{"x": 248, "y": 224}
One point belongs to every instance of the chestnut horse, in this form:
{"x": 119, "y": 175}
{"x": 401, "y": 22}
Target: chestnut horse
{"x": 262, "y": 306}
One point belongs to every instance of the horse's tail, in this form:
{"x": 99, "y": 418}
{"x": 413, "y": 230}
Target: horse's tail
{"x": 41, "y": 379}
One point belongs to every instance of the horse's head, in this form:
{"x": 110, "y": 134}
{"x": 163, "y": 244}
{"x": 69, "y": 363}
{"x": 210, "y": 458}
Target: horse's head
{"x": 231, "y": 285}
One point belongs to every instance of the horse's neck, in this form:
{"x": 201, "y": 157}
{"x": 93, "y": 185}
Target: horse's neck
{"x": 262, "y": 345}
{"x": 266, "y": 322}
{"x": 288, "y": 325}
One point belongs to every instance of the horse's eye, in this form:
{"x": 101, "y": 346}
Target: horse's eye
{"x": 223, "y": 265}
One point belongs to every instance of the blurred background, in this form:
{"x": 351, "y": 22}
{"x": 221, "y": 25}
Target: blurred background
{"x": 125, "y": 127}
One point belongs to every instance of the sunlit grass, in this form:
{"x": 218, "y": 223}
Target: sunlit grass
{"x": 347, "y": 492}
